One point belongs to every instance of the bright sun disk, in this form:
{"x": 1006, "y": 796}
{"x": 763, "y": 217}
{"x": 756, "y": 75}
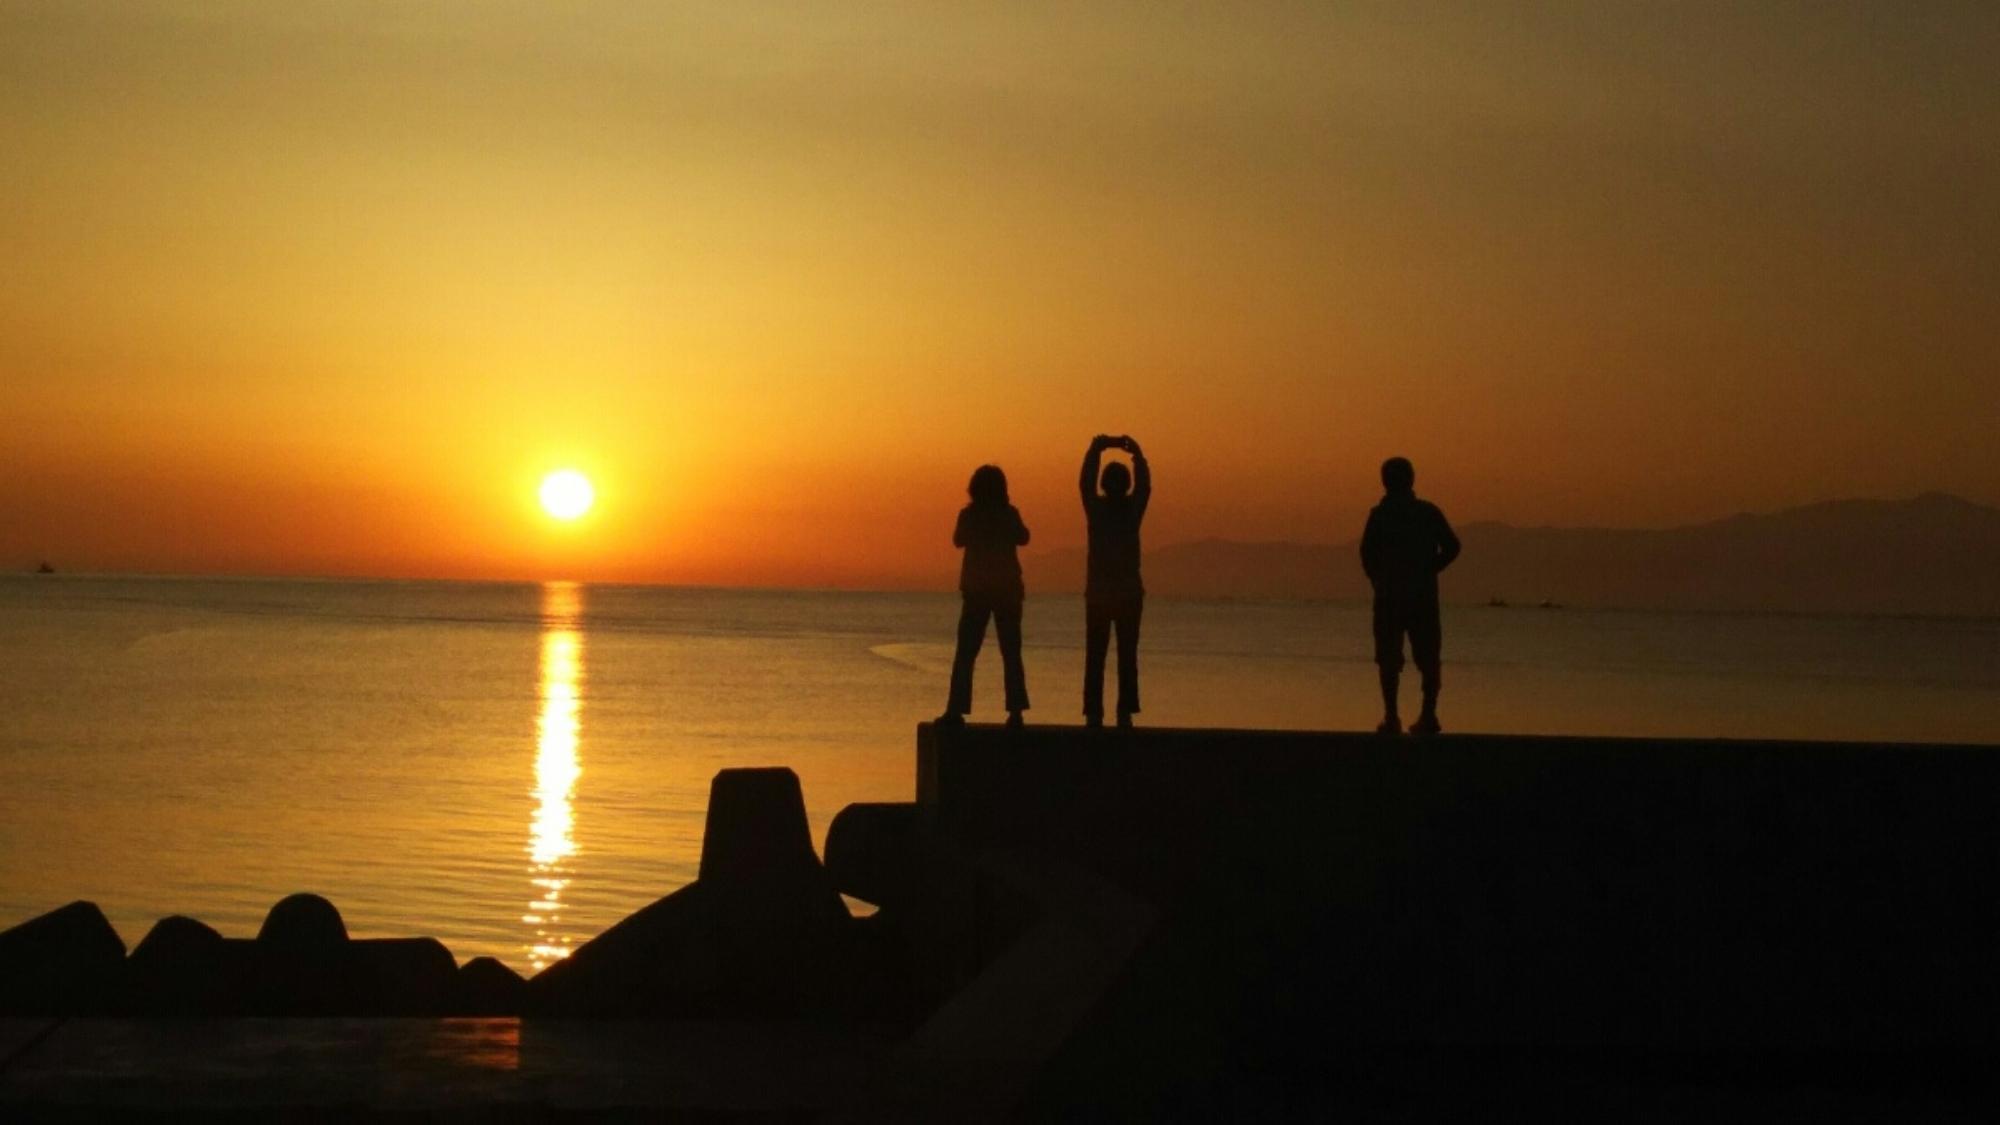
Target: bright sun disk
{"x": 566, "y": 494}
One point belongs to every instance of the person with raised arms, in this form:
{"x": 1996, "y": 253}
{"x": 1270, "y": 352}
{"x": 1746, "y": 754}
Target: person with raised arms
{"x": 1113, "y": 596}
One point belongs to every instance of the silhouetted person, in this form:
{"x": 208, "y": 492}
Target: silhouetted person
{"x": 990, "y": 530}
{"x": 1406, "y": 544}
{"x": 1112, "y": 595}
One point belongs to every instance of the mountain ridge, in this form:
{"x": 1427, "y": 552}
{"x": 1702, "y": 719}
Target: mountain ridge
{"x": 1934, "y": 554}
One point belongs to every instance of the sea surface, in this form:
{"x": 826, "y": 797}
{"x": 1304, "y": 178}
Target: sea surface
{"x": 512, "y": 768}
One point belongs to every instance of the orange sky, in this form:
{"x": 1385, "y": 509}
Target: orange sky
{"x": 287, "y": 289}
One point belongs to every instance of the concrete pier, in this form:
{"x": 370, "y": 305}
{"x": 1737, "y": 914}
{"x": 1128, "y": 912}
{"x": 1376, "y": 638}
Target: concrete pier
{"x": 1647, "y": 914}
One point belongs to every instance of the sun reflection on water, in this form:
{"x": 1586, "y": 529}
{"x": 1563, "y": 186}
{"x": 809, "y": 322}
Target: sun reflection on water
{"x": 558, "y": 726}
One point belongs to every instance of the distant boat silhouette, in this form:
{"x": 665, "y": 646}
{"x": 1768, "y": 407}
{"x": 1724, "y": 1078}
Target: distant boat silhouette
{"x": 45, "y": 568}
{"x": 1496, "y": 602}
{"x": 1550, "y": 605}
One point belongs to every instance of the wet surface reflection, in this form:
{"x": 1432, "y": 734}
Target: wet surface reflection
{"x": 558, "y": 727}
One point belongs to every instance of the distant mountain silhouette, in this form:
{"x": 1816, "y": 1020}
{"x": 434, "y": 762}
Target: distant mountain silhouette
{"x": 1934, "y": 554}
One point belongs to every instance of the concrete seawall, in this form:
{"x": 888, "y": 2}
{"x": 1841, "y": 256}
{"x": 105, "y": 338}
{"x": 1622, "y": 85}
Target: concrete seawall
{"x": 1648, "y": 898}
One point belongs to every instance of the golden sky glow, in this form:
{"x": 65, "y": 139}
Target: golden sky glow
{"x": 330, "y": 288}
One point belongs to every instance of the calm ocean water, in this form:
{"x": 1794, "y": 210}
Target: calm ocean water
{"x": 514, "y": 767}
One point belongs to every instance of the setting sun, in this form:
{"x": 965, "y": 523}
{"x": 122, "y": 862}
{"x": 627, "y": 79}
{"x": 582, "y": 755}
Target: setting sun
{"x": 566, "y": 494}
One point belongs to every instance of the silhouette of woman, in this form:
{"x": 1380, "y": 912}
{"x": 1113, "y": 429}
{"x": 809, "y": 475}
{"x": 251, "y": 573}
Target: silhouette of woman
{"x": 990, "y": 531}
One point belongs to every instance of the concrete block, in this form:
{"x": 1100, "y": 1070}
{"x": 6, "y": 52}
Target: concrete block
{"x": 65, "y": 962}
{"x": 870, "y": 851}
{"x": 660, "y": 960}
{"x": 756, "y": 829}
{"x": 397, "y": 977}
{"x": 486, "y": 987}
{"x": 302, "y": 923}
{"x": 183, "y": 967}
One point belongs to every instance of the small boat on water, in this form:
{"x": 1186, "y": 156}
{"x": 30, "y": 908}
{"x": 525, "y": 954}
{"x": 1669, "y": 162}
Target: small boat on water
{"x": 1496, "y": 602}
{"x": 45, "y": 568}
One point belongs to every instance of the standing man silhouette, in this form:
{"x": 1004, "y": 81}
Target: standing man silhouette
{"x": 990, "y": 531}
{"x": 1113, "y": 595}
{"x": 1407, "y": 542}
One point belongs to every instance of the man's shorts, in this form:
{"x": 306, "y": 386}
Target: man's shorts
{"x": 1416, "y": 619}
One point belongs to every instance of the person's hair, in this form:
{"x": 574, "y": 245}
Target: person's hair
{"x": 1117, "y": 479}
{"x": 1398, "y": 474}
{"x": 989, "y": 485}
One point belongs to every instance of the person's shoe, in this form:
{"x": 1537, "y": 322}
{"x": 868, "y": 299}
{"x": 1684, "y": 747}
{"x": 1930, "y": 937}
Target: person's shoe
{"x": 1094, "y": 722}
{"x": 1015, "y": 721}
{"x": 1426, "y": 724}
{"x": 950, "y": 719}
{"x": 1124, "y": 720}
{"x": 1390, "y": 726}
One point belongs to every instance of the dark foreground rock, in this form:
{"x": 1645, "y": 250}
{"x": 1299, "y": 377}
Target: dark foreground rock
{"x": 761, "y": 932}
{"x": 175, "y": 940}
{"x": 398, "y": 977}
{"x": 302, "y": 963}
{"x": 662, "y": 959}
{"x": 303, "y": 924}
{"x": 781, "y": 933}
{"x": 184, "y": 967}
{"x": 64, "y": 962}
{"x": 486, "y": 987}
{"x": 871, "y": 852}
